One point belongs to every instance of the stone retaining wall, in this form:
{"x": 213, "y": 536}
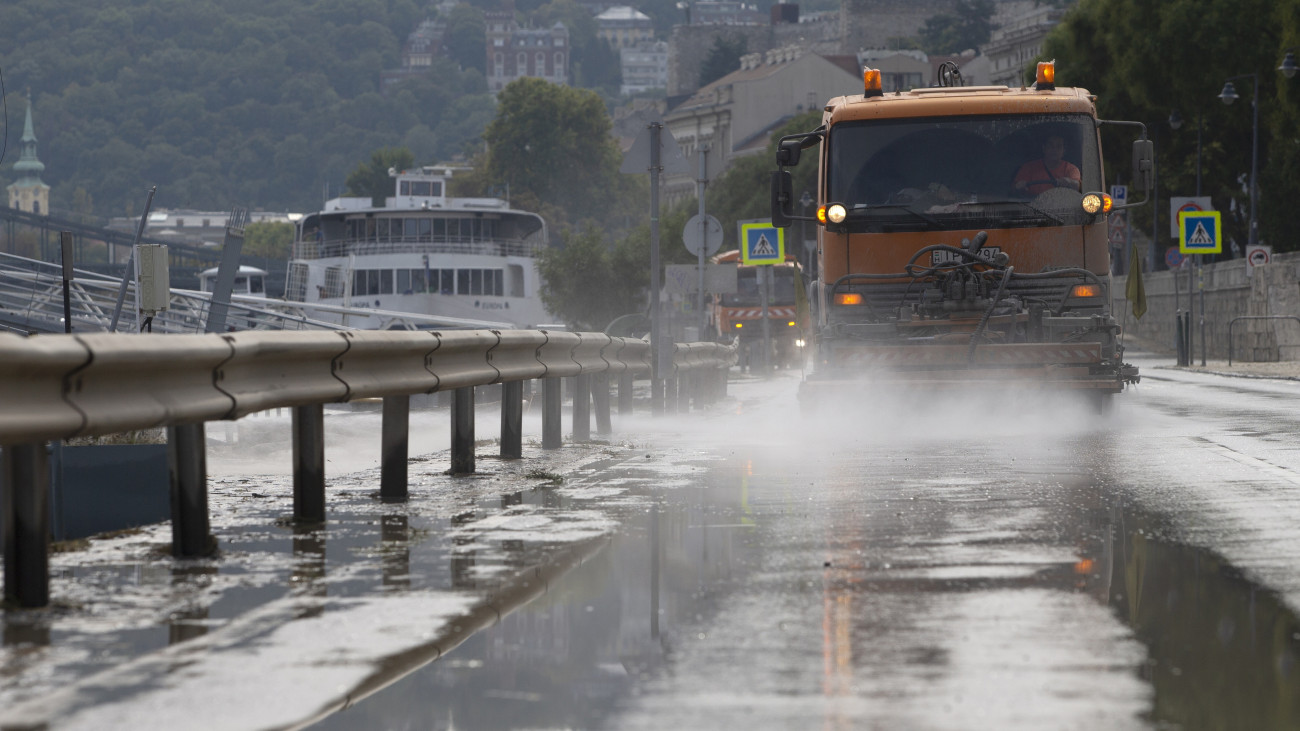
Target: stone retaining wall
{"x": 1273, "y": 289}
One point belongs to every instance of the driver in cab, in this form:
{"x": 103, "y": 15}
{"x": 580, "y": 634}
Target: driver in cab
{"x": 1051, "y": 171}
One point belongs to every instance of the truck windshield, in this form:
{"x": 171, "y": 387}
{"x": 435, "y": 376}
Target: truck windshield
{"x": 945, "y": 173}
{"x": 746, "y": 294}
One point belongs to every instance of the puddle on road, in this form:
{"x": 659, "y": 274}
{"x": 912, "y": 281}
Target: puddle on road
{"x": 1221, "y": 652}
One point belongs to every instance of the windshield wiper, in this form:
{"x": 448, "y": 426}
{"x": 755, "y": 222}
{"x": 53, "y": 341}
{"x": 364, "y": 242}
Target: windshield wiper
{"x": 1026, "y": 204}
{"x": 900, "y": 206}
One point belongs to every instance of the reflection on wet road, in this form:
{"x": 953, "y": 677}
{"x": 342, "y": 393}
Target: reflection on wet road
{"x": 975, "y": 561}
{"x": 1021, "y": 574}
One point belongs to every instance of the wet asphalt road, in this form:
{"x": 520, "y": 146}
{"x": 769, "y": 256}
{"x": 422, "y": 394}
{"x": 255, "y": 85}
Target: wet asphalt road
{"x": 987, "y": 563}
{"x": 965, "y": 561}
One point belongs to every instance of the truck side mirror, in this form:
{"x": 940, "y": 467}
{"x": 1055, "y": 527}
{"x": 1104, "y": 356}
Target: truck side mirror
{"x": 1144, "y": 163}
{"x": 782, "y": 196}
{"x": 787, "y": 153}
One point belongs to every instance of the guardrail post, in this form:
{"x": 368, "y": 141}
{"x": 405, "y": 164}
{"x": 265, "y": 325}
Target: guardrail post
{"x": 625, "y": 380}
{"x": 395, "y": 446}
{"x": 582, "y": 407}
{"x": 26, "y": 516}
{"x": 670, "y": 393}
{"x": 309, "y": 463}
{"x": 512, "y": 419}
{"x": 600, "y": 394}
{"x": 462, "y": 431}
{"x": 551, "y": 428}
{"x": 187, "y": 463}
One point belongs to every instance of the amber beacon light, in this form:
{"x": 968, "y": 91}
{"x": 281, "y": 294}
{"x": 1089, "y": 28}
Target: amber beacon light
{"x": 871, "y": 83}
{"x": 1046, "y": 77}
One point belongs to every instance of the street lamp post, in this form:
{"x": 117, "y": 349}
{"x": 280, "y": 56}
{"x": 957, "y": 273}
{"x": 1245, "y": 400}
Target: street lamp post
{"x": 1229, "y": 95}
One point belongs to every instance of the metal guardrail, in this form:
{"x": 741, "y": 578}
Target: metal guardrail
{"x": 1253, "y": 317}
{"x": 61, "y": 386}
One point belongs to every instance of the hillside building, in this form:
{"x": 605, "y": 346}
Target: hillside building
{"x": 1019, "y": 41}
{"x": 624, "y": 27}
{"x": 645, "y": 67}
{"x": 421, "y": 47}
{"x": 735, "y": 115}
{"x": 514, "y": 52}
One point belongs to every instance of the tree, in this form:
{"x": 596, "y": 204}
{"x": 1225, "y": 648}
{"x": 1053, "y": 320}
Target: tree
{"x": 969, "y": 25}
{"x": 1177, "y": 55}
{"x": 373, "y": 178}
{"x": 269, "y": 240}
{"x": 724, "y": 57}
{"x": 551, "y": 145}
{"x": 466, "y": 37}
{"x": 589, "y": 282}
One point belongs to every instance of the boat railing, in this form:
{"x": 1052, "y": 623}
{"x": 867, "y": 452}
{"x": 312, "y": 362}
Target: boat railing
{"x": 428, "y": 244}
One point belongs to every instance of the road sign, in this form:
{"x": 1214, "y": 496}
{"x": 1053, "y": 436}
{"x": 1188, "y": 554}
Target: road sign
{"x": 761, "y": 243}
{"x": 1173, "y": 258}
{"x": 1118, "y": 228}
{"x": 1258, "y": 256}
{"x": 1202, "y": 232}
{"x": 637, "y": 159}
{"x": 709, "y": 235}
{"x": 1119, "y": 194}
{"x": 1178, "y": 204}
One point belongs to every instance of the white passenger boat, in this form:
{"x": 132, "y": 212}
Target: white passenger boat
{"x": 450, "y": 261}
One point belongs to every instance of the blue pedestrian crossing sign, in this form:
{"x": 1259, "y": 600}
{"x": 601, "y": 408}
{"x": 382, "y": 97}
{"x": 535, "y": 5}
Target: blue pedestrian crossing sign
{"x": 761, "y": 243}
{"x": 1200, "y": 232}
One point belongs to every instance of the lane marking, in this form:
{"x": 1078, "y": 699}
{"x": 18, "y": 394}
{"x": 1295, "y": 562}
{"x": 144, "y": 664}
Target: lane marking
{"x": 1259, "y": 464}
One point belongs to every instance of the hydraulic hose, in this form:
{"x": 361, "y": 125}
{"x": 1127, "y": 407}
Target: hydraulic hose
{"x": 984, "y": 321}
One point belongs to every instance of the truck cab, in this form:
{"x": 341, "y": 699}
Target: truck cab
{"x": 963, "y": 229}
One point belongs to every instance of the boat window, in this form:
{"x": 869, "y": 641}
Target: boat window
{"x": 426, "y": 228}
{"x": 334, "y": 282}
{"x": 372, "y": 281}
{"x": 241, "y": 285}
{"x": 385, "y": 281}
{"x": 440, "y": 229}
{"x": 435, "y": 189}
{"x": 516, "y": 280}
{"x": 448, "y": 286}
{"x": 404, "y": 281}
{"x": 404, "y": 187}
{"x": 498, "y": 282}
{"x": 462, "y": 281}
{"x": 255, "y": 285}
{"x": 381, "y": 229}
{"x": 476, "y": 281}
{"x": 410, "y": 226}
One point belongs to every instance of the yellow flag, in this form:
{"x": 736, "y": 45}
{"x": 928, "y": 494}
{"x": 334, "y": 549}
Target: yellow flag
{"x": 802, "y": 313}
{"x": 1134, "y": 290}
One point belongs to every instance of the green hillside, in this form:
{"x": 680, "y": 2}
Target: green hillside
{"x": 221, "y": 102}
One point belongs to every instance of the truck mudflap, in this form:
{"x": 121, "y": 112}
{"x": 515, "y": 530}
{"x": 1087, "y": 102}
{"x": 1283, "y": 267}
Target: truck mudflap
{"x": 1053, "y": 366}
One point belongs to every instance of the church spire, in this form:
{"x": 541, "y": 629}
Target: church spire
{"x": 28, "y": 193}
{"x": 28, "y": 166}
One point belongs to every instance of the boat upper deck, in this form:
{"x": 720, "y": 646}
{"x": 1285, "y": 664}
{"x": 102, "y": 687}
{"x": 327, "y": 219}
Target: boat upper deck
{"x": 419, "y": 219}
